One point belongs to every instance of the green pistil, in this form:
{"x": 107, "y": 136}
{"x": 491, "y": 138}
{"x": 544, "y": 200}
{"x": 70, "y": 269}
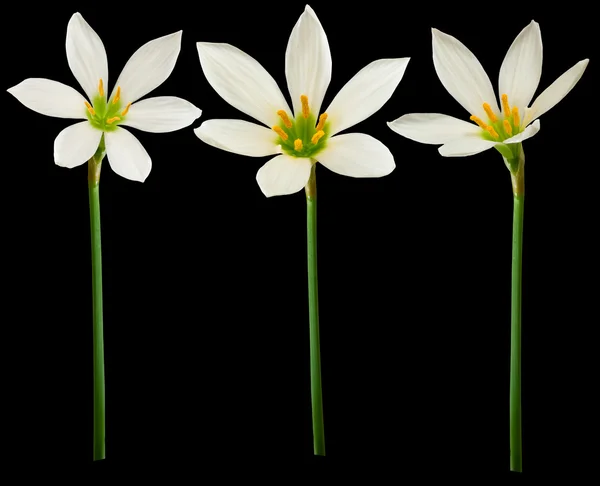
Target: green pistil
{"x": 302, "y": 129}
{"x": 105, "y": 111}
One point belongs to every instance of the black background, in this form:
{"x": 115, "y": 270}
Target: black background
{"x": 205, "y": 299}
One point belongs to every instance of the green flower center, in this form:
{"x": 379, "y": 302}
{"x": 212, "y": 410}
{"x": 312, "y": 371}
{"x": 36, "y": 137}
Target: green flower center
{"x": 302, "y": 136}
{"x": 106, "y": 115}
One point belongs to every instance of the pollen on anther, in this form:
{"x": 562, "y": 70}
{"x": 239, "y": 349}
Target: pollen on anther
{"x": 305, "y": 109}
{"x": 317, "y": 136}
{"x": 90, "y": 108}
{"x": 101, "y": 87}
{"x": 488, "y": 110}
{"x": 322, "y": 120}
{"x": 113, "y": 119}
{"x": 492, "y": 132}
{"x": 505, "y": 105}
{"x": 124, "y": 112}
{"x": 279, "y": 131}
{"x": 507, "y": 127}
{"x": 479, "y": 122}
{"x": 297, "y": 145}
{"x": 284, "y": 117}
{"x": 516, "y": 117}
{"x": 117, "y": 96}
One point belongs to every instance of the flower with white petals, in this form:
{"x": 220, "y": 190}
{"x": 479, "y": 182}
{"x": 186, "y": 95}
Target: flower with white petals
{"x": 299, "y": 136}
{"x": 463, "y": 76}
{"x": 147, "y": 69}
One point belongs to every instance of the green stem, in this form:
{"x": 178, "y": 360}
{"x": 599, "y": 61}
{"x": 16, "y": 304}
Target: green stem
{"x": 516, "y": 447}
{"x": 313, "y": 305}
{"x": 94, "y": 166}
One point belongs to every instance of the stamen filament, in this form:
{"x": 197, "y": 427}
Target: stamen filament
{"x": 279, "y": 131}
{"x": 493, "y": 132}
{"x": 101, "y": 87}
{"x": 124, "y": 112}
{"x": 315, "y": 138}
{"x": 491, "y": 115}
{"x": 90, "y": 108}
{"x": 297, "y": 145}
{"x": 516, "y": 117}
{"x": 305, "y": 109}
{"x": 117, "y": 96}
{"x": 479, "y": 122}
{"x": 505, "y": 105}
{"x": 113, "y": 119}
{"x": 507, "y": 127}
{"x": 322, "y": 120}
{"x": 284, "y": 117}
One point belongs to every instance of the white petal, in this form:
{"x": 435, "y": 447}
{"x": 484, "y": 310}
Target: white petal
{"x": 161, "y": 114}
{"x": 308, "y": 62}
{"x": 357, "y": 155}
{"x": 522, "y": 67}
{"x": 555, "y": 92}
{"x": 148, "y": 67}
{"x": 238, "y": 136}
{"x": 126, "y": 155}
{"x": 76, "y": 144}
{"x": 86, "y": 55}
{"x": 241, "y": 81}
{"x": 529, "y": 132}
{"x": 365, "y": 93}
{"x": 467, "y": 145}
{"x": 283, "y": 175}
{"x": 432, "y": 128}
{"x": 462, "y": 75}
{"x": 50, "y": 98}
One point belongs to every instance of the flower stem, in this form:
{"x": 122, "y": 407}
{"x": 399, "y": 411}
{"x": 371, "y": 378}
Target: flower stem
{"x": 516, "y": 447}
{"x": 94, "y": 166}
{"x": 313, "y": 305}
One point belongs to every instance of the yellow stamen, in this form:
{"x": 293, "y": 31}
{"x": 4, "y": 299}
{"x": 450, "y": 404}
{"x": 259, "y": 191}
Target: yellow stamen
{"x": 479, "y": 122}
{"x": 493, "y": 132}
{"x": 505, "y": 105}
{"x": 507, "y": 127}
{"x": 279, "y": 131}
{"x": 124, "y": 112}
{"x": 101, "y": 87}
{"x": 488, "y": 110}
{"x": 322, "y": 120}
{"x": 305, "y": 110}
{"x": 316, "y": 137}
{"x": 516, "y": 117}
{"x": 297, "y": 145}
{"x": 117, "y": 96}
{"x": 285, "y": 118}
{"x": 113, "y": 119}
{"x": 90, "y": 108}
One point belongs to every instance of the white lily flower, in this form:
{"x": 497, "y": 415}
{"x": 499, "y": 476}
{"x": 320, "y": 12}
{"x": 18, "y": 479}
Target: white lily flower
{"x": 463, "y": 76}
{"x": 302, "y": 139}
{"x": 147, "y": 69}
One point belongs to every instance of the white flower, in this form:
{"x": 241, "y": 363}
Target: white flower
{"x": 463, "y": 76}
{"x": 300, "y": 136}
{"x": 148, "y": 68}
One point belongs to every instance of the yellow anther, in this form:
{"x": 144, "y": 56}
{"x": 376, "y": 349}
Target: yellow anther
{"x": 516, "y": 117}
{"x": 479, "y": 122}
{"x": 317, "y": 136}
{"x": 488, "y": 110}
{"x": 101, "y": 87}
{"x": 117, "y": 96}
{"x": 124, "y": 112}
{"x": 279, "y": 131}
{"x": 284, "y": 117}
{"x": 297, "y": 145}
{"x": 505, "y": 105}
{"x": 113, "y": 119}
{"x": 322, "y": 120}
{"x": 507, "y": 127}
{"x": 305, "y": 110}
{"x": 90, "y": 108}
{"x": 493, "y": 132}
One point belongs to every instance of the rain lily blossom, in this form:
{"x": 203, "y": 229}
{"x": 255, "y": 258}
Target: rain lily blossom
{"x": 299, "y": 137}
{"x": 503, "y": 126}
{"x": 148, "y": 68}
